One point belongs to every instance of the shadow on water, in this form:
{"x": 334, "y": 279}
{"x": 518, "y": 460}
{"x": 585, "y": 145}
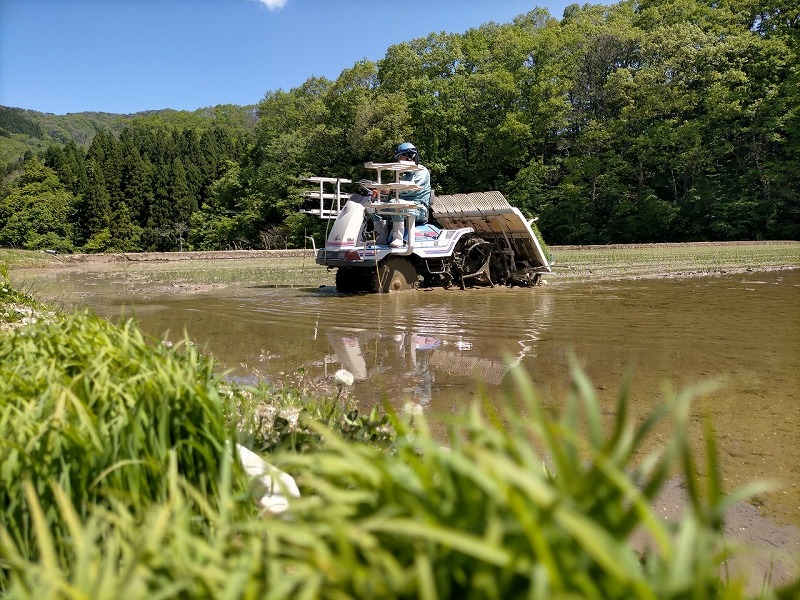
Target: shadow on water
{"x": 435, "y": 347}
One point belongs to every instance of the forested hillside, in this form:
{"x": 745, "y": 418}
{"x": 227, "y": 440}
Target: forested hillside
{"x": 659, "y": 120}
{"x": 30, "y": 131}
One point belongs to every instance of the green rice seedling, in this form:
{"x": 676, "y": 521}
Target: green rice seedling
{"x": 99, "y": 410}
{"x": 598, "y": 262}
{"x": 516, "y": 504}
{"x": 264, "y": 272}
{"x": 540, "y": 239}
{"x": 93, "y": 413}
{"x": 187, "y": 545}
{"x": 272, "y": 418}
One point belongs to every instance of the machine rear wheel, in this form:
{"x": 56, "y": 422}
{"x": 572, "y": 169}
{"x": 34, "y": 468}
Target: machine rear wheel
{"x": 394, "y": 274}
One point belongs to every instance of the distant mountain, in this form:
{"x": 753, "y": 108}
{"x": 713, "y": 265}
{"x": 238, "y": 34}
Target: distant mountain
{"x": 22, "y": 130}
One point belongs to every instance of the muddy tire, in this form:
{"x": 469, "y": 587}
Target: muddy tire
{"x": 394, "y": 274}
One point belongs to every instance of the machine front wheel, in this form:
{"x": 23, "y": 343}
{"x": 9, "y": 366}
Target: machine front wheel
{"x": 351, "y": 280}
{"x": 394, "y": 274}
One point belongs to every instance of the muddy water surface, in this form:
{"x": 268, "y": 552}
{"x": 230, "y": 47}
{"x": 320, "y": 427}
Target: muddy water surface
{"x": 435, "y": 347}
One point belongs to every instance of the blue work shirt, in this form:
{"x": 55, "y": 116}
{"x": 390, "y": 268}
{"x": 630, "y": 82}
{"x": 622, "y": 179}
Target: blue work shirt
{"x": 421, "y": 197}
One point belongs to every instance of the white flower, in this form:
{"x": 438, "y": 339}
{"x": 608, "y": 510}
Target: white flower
{"x": 343, "y": 377}
{"x": 412, "y": 408}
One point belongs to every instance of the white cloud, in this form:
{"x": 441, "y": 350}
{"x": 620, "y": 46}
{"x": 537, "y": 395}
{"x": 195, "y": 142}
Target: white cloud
{"x": 273, "y": 5}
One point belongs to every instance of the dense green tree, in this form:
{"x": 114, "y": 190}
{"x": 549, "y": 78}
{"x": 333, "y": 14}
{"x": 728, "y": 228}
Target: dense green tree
{"x": 35, "y": 213}
{"x": 93, "y": 208}
{"x": 159, "y": 232}
{"x": 137, "y": 185}
{"x": 352, "y": 107}
{"x": 124, "y": 234}
{"x": 291, "y": 140}
{"x": 105, "y": 152}
{"x": 68, "y": 162}
{"x": 181, "y": 195}
{"x": 222, "y": 221}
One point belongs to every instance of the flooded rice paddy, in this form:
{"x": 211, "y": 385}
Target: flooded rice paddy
{"x": 436, "y": 348}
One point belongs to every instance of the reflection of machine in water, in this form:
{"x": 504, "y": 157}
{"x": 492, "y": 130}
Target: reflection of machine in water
{"x": 347, "y": 347}
{"x": 402, "y": 356}
{"x": 476, "y": 368}
{"x": 435, "y": 350}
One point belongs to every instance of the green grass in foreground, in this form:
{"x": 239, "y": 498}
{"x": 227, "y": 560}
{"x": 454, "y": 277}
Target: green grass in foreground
{"x": 118, "y": 480}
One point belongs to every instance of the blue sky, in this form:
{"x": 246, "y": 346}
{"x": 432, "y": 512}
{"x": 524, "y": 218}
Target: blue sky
{"x": 126, "y": 56}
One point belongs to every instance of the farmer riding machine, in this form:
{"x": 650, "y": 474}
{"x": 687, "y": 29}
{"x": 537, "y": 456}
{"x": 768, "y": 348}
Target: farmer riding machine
{"x": 475, "y": 239}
